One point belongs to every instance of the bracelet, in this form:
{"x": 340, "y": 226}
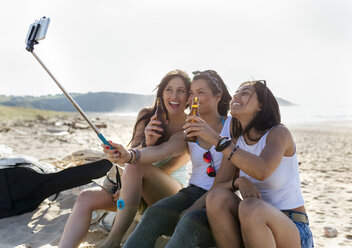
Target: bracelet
{"x": 131, "y": 153}
{"x": 233, "y": 151}
{"x": 223, "y": 143}
{"x": 136, "y": 156}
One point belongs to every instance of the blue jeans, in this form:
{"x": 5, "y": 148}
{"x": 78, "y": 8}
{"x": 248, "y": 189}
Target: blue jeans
{"x": 304, "y": 231}
{"x": 162, "y": 218}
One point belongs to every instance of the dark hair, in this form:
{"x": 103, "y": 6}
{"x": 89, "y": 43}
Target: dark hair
{"x": 217, "y": 85}
{"x": 268, "y": 115}
{"x": 149, "y": 112}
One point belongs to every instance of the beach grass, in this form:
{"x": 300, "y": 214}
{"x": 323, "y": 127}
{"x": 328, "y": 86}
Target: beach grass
{"x": 18, "y": 113}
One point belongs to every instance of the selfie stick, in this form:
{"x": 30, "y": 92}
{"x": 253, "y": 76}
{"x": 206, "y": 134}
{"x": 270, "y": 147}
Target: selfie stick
{"x": 31, "y": 41}
{"x": 30, "y": 47}
{"x": 75, "y": 104}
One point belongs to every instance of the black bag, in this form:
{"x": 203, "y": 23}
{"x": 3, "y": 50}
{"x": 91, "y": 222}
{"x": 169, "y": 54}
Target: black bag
{"x": 23, "y": 188}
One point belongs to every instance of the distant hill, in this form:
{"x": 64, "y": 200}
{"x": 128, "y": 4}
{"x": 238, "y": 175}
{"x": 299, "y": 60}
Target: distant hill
{"x": 91, "y": 102}
{"x": 18, "y": 113}
{"x": 283, "y": 102}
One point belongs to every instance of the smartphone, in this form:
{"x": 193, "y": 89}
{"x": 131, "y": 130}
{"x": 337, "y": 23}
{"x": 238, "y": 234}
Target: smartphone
{"x": 37, "y": 30}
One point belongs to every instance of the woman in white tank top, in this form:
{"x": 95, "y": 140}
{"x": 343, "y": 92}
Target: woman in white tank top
{"x": 272, "y": 212}
{"x": 182, "y": 215}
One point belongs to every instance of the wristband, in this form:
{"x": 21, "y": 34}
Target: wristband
{"x": 233, "y": 151}
{"x": 221, "y": 139}
{"x": 136, "y": 156}
{"x": 223, "y": 143}
{"x": 131, "y": 154}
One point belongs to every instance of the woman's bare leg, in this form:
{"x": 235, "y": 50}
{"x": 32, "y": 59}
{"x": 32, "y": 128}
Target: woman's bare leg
{"x": 79, "y": 220}
{"x": 263, "y": 225}
{"x": 222, "y": 212}
{"x": 139, "y": 180}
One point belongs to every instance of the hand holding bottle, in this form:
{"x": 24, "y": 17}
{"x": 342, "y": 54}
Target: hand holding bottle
{"x": 197, "y": 127}
{"x": 152, "y": 131}
{"x": 156, "y": 128}
{"x": 194, "y": 112}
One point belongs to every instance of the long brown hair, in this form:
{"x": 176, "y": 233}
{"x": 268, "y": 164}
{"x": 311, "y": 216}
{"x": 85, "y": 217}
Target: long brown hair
{"x": 160, "y": 89}
{"x": 267, "y": 117}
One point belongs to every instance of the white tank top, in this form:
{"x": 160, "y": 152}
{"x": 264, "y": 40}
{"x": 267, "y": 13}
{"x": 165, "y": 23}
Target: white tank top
{"x": 199, "y": 176}
{"x": 282, "y": 188}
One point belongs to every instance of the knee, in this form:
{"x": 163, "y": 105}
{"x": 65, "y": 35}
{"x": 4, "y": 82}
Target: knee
{"x": 250, "y": 211}
{"x": 193, "y": 220}
{"x": 217, "y": 200}
{"x": 152, "y": 217}
{"x": 84, "y": 201}
{"x": 151, "y": 212}
{"x": 132, "y": 170}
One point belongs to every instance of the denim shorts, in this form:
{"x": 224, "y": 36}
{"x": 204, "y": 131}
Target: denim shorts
{"x": 304, "y": 231}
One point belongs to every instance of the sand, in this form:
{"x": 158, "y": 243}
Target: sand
{"x": 324, "y": 153}
{"x": 325, "y": 157}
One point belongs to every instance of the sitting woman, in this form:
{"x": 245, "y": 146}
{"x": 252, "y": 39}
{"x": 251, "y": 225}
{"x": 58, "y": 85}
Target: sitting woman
{"x": 162, "y": 217}
{"x": 265, "y": 153}
{"x": 150, "y": 182}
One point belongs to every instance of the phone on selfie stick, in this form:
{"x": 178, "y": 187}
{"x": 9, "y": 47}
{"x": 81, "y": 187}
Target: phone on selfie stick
{"x": 37, "y": 31}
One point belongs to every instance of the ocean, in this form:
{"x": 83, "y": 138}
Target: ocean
{"x": 309, "y": 114}
{"x": 298, "y": 114}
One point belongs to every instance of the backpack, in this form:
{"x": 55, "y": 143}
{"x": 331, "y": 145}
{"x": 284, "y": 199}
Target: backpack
{"x": 23, "y": 185}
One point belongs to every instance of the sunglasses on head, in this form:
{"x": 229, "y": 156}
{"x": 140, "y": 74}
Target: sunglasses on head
{"x": 208, "y": 159}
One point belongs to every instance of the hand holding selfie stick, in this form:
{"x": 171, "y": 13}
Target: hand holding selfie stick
{"x": 37, "y": 31}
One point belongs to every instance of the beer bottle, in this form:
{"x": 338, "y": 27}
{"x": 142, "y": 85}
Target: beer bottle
{"x": 161, "y": 115}
{"x": 194, "y": 112}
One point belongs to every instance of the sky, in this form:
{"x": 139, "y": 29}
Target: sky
{"x": 302, "y": 48}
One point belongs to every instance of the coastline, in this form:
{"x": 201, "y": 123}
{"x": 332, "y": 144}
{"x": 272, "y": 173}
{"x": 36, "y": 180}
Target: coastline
{"x": 324, "y": 151}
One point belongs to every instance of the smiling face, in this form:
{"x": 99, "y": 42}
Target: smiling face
{"x": 208, "y": 102}
{"x": 175, "y": 96}
{"x": 245, "y": 103}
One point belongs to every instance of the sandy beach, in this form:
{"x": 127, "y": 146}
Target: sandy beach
{"x": 324, "y": 153}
